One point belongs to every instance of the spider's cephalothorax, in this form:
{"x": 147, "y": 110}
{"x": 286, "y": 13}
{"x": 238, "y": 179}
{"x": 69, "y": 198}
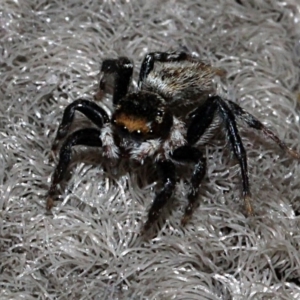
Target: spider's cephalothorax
{"x": 142, "y": 116}
{"x": 152, "y": 122}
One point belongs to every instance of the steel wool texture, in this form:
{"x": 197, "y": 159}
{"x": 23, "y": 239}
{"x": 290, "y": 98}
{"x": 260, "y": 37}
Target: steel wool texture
{"x": 92, "y": 244}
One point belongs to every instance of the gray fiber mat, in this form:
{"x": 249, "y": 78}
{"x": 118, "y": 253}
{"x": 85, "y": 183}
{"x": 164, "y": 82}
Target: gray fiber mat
{"x": 90, "y": 246}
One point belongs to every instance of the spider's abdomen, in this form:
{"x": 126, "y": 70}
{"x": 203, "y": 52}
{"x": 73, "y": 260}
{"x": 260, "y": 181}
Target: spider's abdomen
{"x": 181, "y": 82}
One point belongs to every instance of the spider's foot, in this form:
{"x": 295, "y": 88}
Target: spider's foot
{"x": 187, "y": 214}
{"x": 293, "y": 153}
{"x": 54, "y": 147}
{"x": 220, "y": 72}
{"x": 52, "y": 155}
{"x": 147, "y": 225}
{"x": 145, "y": 228}
{"x": 185, "y": 220}
{"x": 99, "y": 95}
{"x": 49, "y": 203}
{"x": 248, "y": 205}
{"x": 153, "y": 216}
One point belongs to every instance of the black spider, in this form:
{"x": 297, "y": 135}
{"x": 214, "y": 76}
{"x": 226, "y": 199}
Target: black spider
{"x": 174, "y": 106}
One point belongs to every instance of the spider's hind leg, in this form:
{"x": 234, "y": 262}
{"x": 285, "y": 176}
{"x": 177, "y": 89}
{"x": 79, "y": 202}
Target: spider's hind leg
{"x": 169, "y": 57}
{"x": 237, "y": 148}
{"x": 150, "y": 58}
{"x": 201, "y": 120}
{"x": 86, "y": 137}
{"x": 252, "y": 122}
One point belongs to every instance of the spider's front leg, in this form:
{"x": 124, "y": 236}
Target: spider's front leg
{"x": 166, "y": 170}
{"x": 90, "y": 109}
{"x": 121, "y": 69}
{"x": 86, "y": 137}
{"x": 193, "y": 155}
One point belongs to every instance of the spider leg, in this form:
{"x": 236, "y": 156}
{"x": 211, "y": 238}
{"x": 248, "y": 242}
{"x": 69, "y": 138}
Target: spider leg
{"x": 121, "y": 69}
{"x": 252, "y": 122}
{"x": 89, "y": 108}
{"x": 166, "y": 170}
{"x": 237, "y": 148}
{"x": 191, "y": 154}
{"x": 87, "y": 137}
{"x": 202, "y": 117}
{"x": 150, "y": 58}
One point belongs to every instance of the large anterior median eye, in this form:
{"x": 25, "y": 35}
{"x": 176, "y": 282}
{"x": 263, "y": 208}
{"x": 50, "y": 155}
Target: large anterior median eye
{"x": 137, "y": 135}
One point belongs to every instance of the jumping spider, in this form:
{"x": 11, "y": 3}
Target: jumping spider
{"x": 174, "y": 106}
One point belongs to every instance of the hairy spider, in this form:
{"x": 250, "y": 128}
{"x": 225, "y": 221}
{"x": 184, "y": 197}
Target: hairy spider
{"x": 173, "y": 108}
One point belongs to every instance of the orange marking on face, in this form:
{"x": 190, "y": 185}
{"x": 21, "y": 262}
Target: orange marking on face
{"x": 132, "y": 123}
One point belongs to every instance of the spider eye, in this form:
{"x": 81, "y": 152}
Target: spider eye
{"x": 137, "y": 135}
{"x": 159, "y": 116}
{"x": 123, "y": 129}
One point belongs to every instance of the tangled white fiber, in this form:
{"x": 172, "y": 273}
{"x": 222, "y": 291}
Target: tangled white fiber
{"x": 90, "y": 246}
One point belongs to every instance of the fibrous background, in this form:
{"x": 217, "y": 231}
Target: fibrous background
{"x": 90, "y": 247}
